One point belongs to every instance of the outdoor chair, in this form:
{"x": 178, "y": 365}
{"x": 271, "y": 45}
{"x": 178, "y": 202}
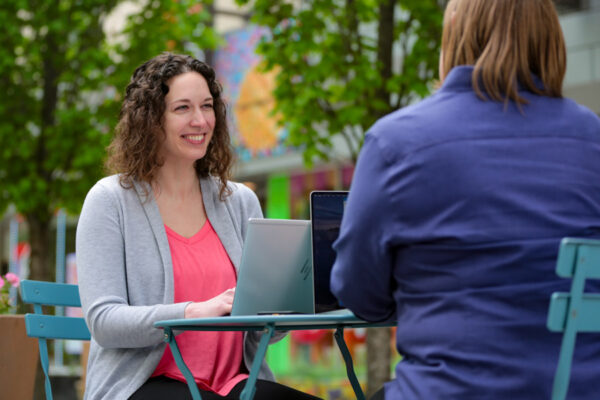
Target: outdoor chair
{"x": 574, "y": 311}
{"x": 46, "y": 327}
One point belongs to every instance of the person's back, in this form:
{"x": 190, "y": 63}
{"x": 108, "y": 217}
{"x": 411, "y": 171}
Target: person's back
{"x": 454, "y": 219}
{"x": 477, "y": 227}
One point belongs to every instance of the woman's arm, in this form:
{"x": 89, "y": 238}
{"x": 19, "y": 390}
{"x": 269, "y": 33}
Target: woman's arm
{"x": 101, "y": 267}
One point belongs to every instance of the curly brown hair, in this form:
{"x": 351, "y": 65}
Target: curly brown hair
{"x": 134, "y": 151}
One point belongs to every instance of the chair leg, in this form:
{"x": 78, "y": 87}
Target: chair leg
{"x": 339, "y": 338}
{"x": 562, "y": 376}
{"x": 170, "y": 338}
{"x": 43, "y": 347}
{"x": 250, "y": 387}
{"x": 563, "y": 370}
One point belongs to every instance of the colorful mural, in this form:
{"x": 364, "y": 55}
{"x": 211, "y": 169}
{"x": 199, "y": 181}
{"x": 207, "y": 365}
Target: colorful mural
{"x": 301, "y": 184}
{"x": 248, "y": 92}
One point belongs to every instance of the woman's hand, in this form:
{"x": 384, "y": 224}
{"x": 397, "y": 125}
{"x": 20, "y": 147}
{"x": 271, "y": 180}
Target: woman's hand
{"x": 215, "y": 307}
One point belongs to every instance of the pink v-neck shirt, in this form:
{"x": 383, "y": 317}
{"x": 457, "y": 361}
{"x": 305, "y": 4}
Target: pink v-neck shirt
{"x": 201, "y": 271}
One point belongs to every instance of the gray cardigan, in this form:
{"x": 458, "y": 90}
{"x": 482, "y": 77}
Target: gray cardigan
{"x": 125, "y": 278}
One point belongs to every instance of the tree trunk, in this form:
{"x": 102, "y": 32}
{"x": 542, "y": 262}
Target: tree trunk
{"x": 378, "y": 358}
{"x": 39, "y": 240}
{"x": 38, "y": 220}
{"x": 385, "y": 44}
{"x": 209, "y": 54}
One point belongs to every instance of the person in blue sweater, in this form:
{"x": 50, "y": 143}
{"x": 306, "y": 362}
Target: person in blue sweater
{"x": 457, "y": 208}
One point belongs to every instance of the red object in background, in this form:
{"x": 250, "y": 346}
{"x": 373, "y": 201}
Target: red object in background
{"x": 319, "y": 339}
{"x": 23, "y": 250}
{"x": 316, "y": 339}
{"x": 309, "y": 336}
{"x": 354, "y": 337}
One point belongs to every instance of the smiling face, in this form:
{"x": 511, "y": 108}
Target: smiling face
{"x": 189, "y": 119}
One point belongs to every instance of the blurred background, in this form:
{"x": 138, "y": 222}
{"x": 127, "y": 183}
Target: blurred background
{"x": 303, "y": 80}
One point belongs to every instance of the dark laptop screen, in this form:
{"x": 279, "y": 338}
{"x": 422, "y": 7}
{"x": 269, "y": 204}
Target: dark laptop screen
{"x": 326, "y": 208}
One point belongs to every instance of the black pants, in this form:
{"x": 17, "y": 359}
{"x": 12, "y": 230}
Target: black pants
{"x": 161, "y": 387}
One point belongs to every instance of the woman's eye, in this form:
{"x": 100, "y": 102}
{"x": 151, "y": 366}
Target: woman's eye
{"x": 207, "y": 105}
{"x": 179, "y": 108}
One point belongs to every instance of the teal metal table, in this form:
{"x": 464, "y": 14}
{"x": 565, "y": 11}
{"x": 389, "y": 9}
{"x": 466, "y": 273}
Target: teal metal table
{"x": 268, "y": 324}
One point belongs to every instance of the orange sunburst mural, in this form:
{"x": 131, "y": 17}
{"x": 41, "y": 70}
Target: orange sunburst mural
{"x": 248, "y": 90}
{"x": 253, "y": 110}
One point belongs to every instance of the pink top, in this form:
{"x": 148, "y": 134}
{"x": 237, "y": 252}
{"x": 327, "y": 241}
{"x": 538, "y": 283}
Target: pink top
{"x": 202, "y": 270}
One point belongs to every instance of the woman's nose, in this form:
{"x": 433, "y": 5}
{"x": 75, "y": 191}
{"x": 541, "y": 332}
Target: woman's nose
{"x": 198, "y": 119}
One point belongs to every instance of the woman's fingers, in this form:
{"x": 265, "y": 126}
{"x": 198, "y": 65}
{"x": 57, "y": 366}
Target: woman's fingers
{"x": 219, "y": 305}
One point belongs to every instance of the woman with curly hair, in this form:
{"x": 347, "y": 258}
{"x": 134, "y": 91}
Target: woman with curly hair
{"x": 162, "y": 239}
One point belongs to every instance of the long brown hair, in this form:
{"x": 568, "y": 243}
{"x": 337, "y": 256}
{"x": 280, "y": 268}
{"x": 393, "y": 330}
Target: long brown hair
{"x": 507, "y": 41}
{"x": 134, "y": 151}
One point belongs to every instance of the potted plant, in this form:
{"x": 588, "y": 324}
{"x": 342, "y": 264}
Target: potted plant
{"x": 19, "y": 352}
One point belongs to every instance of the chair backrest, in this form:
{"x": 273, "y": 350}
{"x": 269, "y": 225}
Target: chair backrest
{"x": 575, "y": 311}
{"x": 45, "y": 327}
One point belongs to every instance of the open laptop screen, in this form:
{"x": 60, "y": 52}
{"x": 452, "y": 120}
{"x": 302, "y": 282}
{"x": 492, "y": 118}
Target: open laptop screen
{"x": 326, "y": 210}
{"x": 275, "y": 271}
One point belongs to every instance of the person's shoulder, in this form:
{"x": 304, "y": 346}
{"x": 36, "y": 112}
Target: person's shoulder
{"x": 111, "y": 181}
{"x": 564, "y": 117}
{"x": 240, "y": 192}
{"x": 414, "y": 118}
{"x": 403, "y": 115}
{"x": 584, "y": 117}
{"x": 412, "y": 126}
{"x": 103, "y": 195}
{"x": 114, "y": 184}
{"x": 111, "y": 187}
{"x": 105, "y": 185}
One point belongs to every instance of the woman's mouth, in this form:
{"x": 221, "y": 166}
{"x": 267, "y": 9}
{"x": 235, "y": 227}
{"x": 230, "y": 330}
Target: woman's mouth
{"x": 195, "y": 138}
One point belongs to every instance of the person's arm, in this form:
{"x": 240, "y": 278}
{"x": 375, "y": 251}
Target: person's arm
{"x": 217, "y": 306}
{"x": 362, "y": 276}
{"x": 101, "y": 267}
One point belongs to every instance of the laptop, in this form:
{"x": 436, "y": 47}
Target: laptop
{"x": 275, "y": 274}
{"x": 286, "y": 264}
{"x": 326, "y": 211}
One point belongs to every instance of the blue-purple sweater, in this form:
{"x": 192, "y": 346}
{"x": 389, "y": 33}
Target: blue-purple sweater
{"x": 452, "y": 226}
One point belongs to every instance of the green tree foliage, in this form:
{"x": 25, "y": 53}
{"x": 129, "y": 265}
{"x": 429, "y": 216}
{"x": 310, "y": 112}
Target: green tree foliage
{"x": 62, "y": 83}
{"x": 182, "y": 26}
{"x": 52, "y": 130}
{"x": 342, "y": 64}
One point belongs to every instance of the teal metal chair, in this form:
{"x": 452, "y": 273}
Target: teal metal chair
{"x": 574, "y": 311}
{"x": 44, "y": 327}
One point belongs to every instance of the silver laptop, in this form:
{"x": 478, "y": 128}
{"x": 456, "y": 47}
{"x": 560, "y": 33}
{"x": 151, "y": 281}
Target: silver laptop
{"x": 275, "y": 274}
